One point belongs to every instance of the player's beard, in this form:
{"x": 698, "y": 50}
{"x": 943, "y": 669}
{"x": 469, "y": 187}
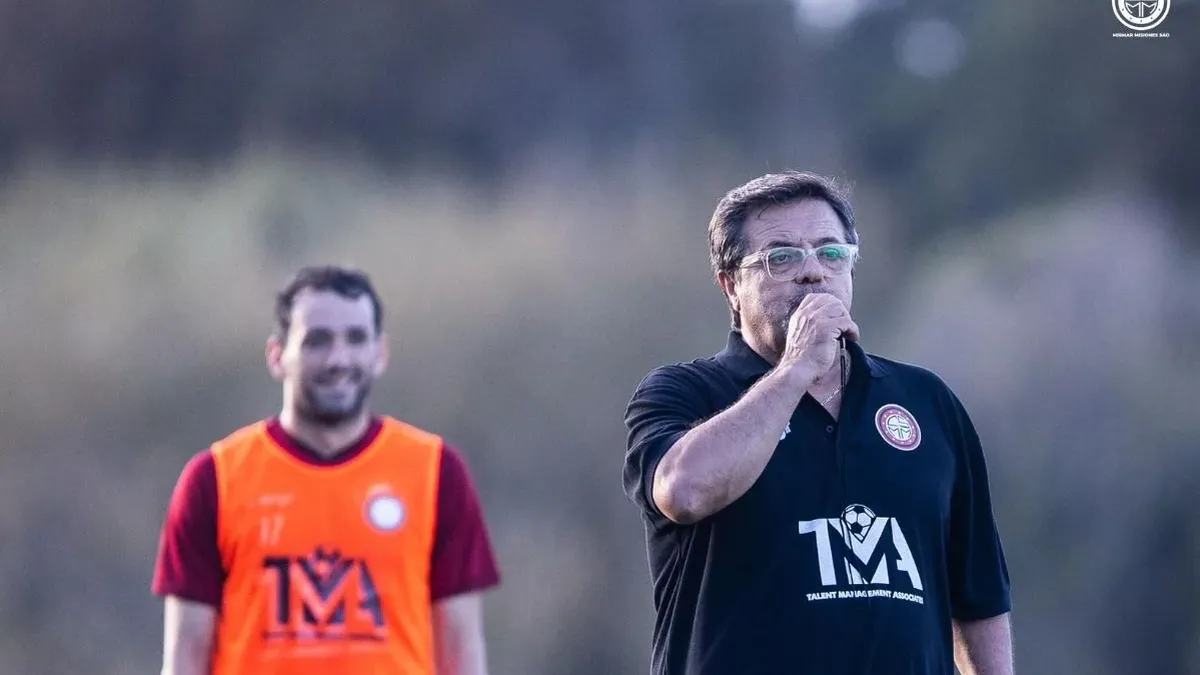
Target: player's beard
{"x": 321, "y": 410}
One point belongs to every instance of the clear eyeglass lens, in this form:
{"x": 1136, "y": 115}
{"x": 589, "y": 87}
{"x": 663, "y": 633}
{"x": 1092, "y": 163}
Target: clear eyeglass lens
{"x": 785, "y": 263}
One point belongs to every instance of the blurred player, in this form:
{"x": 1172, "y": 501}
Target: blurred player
{"x": 810, "y": 507}
{"x": 327, "y": 539}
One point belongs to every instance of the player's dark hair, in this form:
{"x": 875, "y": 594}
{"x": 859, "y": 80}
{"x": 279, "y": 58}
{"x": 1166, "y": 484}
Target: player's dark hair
{"x": 348, "y": 283}
{"x": 727, "y": 243}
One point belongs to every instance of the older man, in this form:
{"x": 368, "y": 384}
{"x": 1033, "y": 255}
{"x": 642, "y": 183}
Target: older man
{"x": 810, "y": 507}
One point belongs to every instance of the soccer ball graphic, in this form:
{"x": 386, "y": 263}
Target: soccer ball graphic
{"x": 858, "y": 520}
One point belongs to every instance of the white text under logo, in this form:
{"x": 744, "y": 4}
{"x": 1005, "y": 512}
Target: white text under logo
{"x": 861, "y": 555}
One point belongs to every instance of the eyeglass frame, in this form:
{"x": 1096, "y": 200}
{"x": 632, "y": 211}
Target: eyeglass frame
{"x": 760, "y": 257}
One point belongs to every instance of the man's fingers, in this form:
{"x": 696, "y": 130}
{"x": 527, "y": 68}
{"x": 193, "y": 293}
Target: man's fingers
{"x": 811, "y": 298}
{"x": 814, "y": 300}
{"x": 839, "y": 326}
{"x": 819, "y": 304}
{"x": 826, "y": 314}
{"x": 831, "y": 311}
{"x": 813, "y": 303}
{"x": 852, "y": 332}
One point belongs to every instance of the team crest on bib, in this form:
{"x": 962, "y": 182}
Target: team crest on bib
{"x": 384, "y": 511}
{"x": 898, "y": 427}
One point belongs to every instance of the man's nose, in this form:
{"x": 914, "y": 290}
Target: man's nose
{"x": 811, "y": 271}
{"x": 339, "y": 354}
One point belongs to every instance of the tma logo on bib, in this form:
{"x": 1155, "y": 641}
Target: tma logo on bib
{"x": 859, "y": 550}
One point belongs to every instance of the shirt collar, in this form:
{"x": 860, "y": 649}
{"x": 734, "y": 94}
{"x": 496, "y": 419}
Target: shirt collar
{"x": 744, "y": 363}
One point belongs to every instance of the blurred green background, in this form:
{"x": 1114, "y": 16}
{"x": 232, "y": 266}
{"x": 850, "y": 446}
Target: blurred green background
{"x": 529, "y": 184}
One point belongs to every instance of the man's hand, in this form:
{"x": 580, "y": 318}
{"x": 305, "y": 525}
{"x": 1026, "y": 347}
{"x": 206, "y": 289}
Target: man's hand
{"x": 812, "y": 335}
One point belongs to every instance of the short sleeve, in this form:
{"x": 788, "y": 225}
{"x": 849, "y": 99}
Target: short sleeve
{"x": 463, "y": 558}
{"x": 979, "y": 580}
{"x": 665, "y": 405}
{"x": 189, "y": 560}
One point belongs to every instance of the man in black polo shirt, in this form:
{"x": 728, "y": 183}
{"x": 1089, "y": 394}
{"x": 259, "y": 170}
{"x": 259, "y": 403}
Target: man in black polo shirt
{"x": 809, "y": 507}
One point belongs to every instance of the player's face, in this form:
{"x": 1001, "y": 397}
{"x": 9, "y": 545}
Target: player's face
{"x": 766, "y": 304}
{"x": 331, "y": 357}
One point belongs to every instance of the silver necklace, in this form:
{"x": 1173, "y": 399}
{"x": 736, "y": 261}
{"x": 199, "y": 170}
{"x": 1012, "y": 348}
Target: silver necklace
{"x": 830, "y": 397}
{"x": 842, "y": 356}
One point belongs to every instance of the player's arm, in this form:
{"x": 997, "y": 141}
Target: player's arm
{"x": 979, "y": 582}
{"x": 984, "y": 647}
{"x": 188, "y": 629}
{"x": 188, "y": 572}
{"x": 463, "y": 566}
{"x": 708, "y": 466}
{"x": 458, "y": 635}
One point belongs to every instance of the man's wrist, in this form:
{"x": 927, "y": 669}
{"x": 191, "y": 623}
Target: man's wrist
{"x": 798, "y": 375}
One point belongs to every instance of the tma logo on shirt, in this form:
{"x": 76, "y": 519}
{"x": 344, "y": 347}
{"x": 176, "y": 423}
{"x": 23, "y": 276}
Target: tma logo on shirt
{"x": 854, "y": 540}
{"x": 322, "y": 596}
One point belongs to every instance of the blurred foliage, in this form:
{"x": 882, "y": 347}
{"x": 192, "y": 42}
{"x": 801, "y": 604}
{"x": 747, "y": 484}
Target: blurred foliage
{"x": 479, "y": 87}
{"x": 1023, "y": 186}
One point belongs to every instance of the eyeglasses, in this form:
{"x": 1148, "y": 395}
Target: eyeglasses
{"x": 784, "y": 263}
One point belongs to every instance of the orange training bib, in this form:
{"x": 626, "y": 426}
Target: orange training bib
{"x": 327, "y": 566}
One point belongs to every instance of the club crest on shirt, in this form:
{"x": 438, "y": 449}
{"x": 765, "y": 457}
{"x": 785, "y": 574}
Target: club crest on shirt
{"x": 898, "y": 427}
{"x": 384, "y": 511}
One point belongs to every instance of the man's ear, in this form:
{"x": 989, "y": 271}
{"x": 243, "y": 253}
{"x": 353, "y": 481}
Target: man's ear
{"x": 384, "y": 356}
{"x": 729, "y": 287}
{"x": 274, "y": 355}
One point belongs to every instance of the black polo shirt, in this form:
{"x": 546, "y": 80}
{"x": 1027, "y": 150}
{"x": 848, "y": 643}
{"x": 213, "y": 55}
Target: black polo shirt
{"x": 853, "y": 551}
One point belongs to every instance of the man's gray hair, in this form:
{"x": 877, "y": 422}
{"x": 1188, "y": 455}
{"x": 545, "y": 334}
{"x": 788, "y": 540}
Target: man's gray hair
{"x": 726, "y": 231}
